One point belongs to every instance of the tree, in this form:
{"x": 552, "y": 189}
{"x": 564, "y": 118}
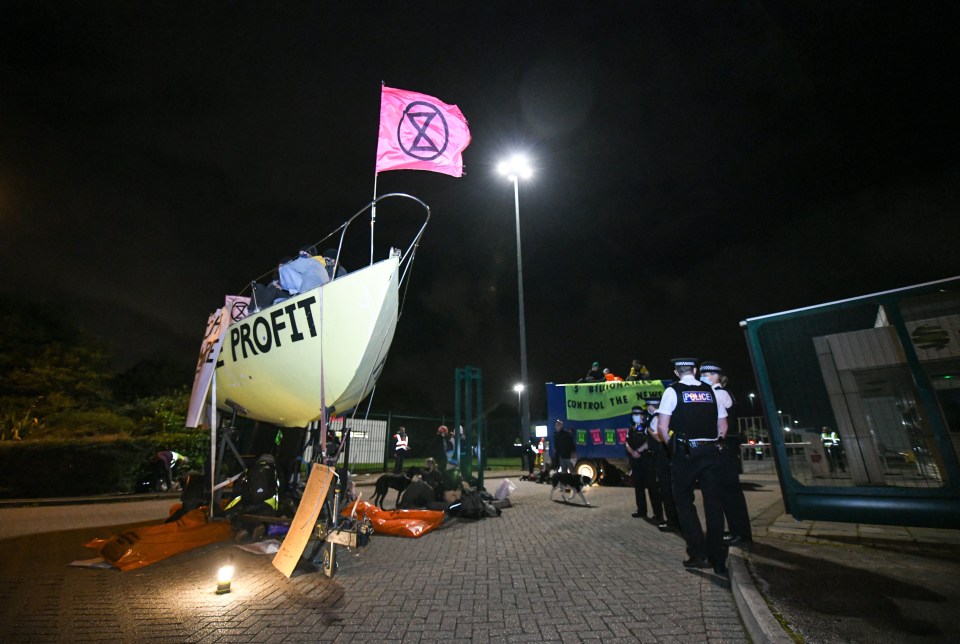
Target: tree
{"x": 48, "y": 367}
{"x": 159, "y": 375}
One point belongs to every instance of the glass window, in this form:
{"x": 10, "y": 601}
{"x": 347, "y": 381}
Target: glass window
{"x": 848, "y": 408}
{"x": 933, "y": 324}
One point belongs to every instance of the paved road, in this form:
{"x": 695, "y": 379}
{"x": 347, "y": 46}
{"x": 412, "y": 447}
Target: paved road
{"x": 55, "y": 517}
{"x": 543, "y": 571}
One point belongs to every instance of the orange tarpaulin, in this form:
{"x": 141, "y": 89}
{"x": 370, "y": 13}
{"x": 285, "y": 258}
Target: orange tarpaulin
{"x": 399, "y": 523}
{"x": 143, "y": 546}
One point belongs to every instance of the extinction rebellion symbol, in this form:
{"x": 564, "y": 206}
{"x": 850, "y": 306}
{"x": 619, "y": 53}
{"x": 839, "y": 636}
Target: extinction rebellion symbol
{"x": 238, "y": 311}
{"x": 418, "y": 134}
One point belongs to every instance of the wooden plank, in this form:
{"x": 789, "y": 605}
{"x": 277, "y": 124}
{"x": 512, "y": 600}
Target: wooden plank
{"x": 305, "y": 521}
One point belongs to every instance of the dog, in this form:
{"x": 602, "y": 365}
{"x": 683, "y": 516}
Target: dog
{"x": 419, "y": 494}
{"x": 398, "y": 482}
{"x": 573, "y": 482}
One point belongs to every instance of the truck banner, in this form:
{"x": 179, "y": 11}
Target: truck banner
{"x": 602, "y": 400}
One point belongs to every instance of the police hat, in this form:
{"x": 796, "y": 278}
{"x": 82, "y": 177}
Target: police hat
{"x": 636, "y": 410}
{"x": 711, "y": 366}
{"x": 655, "y": 402}
{"x": 683, "y": 362}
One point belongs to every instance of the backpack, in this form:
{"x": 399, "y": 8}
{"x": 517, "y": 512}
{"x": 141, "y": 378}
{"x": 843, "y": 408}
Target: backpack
{"x": 260, "y": 483}
{"x": 471, "y": 505}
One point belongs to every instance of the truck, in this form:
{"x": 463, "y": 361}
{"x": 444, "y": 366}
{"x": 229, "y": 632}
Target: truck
{"x": 598, "y": 414}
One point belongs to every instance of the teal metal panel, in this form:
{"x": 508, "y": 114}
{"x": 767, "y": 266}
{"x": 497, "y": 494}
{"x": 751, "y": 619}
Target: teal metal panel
{"x": 790, "y": 374}
{"x": 468, "y": 413}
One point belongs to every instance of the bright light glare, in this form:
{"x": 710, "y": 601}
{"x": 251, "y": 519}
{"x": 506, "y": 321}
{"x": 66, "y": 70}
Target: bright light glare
{"x": 515, "y": 166}
{"x": 518, "y": 387}
{"x": 225, "y": 575}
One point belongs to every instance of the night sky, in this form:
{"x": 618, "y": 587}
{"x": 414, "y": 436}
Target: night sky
{"x": 696, "y": 163}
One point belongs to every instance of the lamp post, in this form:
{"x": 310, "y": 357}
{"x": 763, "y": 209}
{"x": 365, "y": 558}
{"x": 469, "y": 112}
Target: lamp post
{"x": 752, "y": 396}
{"x": 514, "y": 169}
{"x": 519, "y": 389}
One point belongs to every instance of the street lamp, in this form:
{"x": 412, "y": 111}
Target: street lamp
{"x": 519, "y": 389}
{"x": 514, "y": 169}
{"x": 751, "y": 396}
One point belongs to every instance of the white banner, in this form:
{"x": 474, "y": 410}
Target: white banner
{"x": 206, "y": 366}
{"x": 234, "y": 308}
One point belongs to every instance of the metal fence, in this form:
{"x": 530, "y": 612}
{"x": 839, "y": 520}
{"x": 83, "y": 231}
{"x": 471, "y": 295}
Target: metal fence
{"x": 371, "y": 442}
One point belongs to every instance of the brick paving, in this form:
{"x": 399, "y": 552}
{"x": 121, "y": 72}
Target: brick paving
{"x": 543, "y": 571}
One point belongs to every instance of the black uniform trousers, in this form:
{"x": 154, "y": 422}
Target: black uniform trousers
{"x": 701, "y": 464}
{"x": 665, "y": 484}
{"x": 734, "y": 503}
{"x": 644, "y": 474}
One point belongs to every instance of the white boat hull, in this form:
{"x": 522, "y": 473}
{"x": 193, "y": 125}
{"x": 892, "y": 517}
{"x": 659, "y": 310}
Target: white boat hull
{"x": 325, "y": 347}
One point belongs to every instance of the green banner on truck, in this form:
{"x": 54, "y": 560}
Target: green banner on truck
{"x": 601, "y": 400}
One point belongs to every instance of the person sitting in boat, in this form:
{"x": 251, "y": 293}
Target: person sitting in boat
{"x": 331, "y": 260}
{"x": 304, "y": 273}
{"x": 266, "y": 296}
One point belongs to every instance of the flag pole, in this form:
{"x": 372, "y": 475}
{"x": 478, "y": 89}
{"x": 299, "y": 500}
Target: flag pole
{"x": 373, "y": 208}
{"x": 373, "y": 214}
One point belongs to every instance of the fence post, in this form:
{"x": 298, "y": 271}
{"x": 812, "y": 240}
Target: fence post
{"x": 388, "y": 438}
{"x": 469, "y": 381}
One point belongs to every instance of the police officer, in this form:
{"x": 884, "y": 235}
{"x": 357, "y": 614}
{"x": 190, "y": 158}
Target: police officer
{"x": 642, "y": 468}
{"x": 661, "y": 467}
{"x": 692, "y": 409}
{"x": 734, "y": 503}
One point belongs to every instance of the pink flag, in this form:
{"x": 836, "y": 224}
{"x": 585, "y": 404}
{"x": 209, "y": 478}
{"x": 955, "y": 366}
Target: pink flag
{"x": 418, "y": 132}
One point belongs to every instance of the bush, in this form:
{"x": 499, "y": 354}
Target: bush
{"x": 84, "y": 424}
{"x": 87, "y": 466}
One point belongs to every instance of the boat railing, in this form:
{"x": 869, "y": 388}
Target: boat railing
{"x": 406, "y": 255}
